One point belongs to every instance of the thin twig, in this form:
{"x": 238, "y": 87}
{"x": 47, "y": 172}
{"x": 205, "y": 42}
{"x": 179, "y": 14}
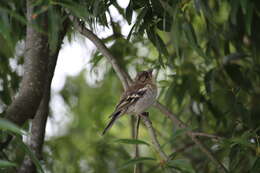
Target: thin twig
{"x": 203, "y": 148}
{"x": 214, "y": 137}
{"x": 182, "y": 149}
{"x": 124, "y": 77}
{"x": 138, "y": 166}
{"x": 153, "y": 135}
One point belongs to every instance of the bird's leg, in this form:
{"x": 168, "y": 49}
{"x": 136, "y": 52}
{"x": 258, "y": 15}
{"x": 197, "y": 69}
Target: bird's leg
{"x": 146, "y": 114}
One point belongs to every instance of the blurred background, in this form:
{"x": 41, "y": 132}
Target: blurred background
{"x": 206, "y": 60}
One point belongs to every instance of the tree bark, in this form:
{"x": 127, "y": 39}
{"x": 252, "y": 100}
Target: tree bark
{"x": 36, "y": 139}
{"x": 31, "y": 90}
{"x": 39, "y": 122}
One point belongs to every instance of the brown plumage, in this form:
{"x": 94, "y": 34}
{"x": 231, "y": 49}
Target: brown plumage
{"x": 140, "y": 95}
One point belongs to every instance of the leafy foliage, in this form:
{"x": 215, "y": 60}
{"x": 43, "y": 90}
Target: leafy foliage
{"x": 206, "y": 55}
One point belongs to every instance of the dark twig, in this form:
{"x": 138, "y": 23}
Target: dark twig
{"x": 203, "y": 148}
{"x": 186, "y": 147}
{"x": 153, "y": 136}
{"x": 138, "y": 166}
{"x": 213, "y": 137}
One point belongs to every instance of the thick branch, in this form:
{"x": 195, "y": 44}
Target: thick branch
{"x": 124, "y": 77}
{"x": 36, "y": 60}
{"x": 39, "y": 122}
{"x": 37, "y": 130}
{"x": 37, "y": 135}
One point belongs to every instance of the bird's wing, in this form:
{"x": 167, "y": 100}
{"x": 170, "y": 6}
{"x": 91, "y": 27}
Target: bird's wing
{"x": 131, "y": 96}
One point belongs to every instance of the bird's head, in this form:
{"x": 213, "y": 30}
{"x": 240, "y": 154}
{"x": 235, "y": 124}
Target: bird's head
{"x": 144, "y": 76}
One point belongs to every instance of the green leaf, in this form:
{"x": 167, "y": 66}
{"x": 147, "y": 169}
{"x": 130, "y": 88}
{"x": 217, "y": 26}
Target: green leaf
{"x": 192, "y": 39}
{"x": 244, "y": 4}
{"x": 256, "y": 166}
{"x": 237, "y": 76}
{"x": 161, "y": 46}
{"x": 157, "y": 41}
{"x": 14, "y": 14}
{"x": 54, "y": 27}
{"x": 181, "y": 164}
{"x": 209, "y": 80}
{"x": 234, "y": 10}
{"x": 75, "y": 8}
{"x": 233, "y": 57}
{"x": 164, "y": 83}
{"x": 165, "y": 24}
{"x": 179, "y": 132}
{"x": 176, "y": 31}
{"x": 170, "y": 93}
{"x": 129, "y": 12}
{"x": 32, "y": 156}
{"x": 206, "y": 10}
{"x": 5, "y": 164}
{"x": 249, "y": 17}
{"x": 135, "y": 161}
{"x": 243, "y": 140}
{"x": 139, "y": 4}
{"x": 9, "y": 126}
{"x": 132, "y": 141}
{"x": 138, "y": 21}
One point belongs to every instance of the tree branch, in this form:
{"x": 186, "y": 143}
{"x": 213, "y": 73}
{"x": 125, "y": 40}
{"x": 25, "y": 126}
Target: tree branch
{"x": 203, "y": 148}
{"x": 38, "y": 124}
{"x": 32, "y": 86}
{"x": 138, "y": 166}
{"x": 213, "y": 137}
{"x": 124, "y": 77}
{"x": 153, "y": 135}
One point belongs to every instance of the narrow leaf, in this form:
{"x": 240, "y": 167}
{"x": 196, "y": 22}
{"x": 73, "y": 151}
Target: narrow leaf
{"x": 192, "y": 39}
{"x": 176, "y": 31}
{"x": 132, "y": 141}
{"x": 179, "y": 132}
{"x": 5, "y": 164}
{"x": 138, "y": 21}
{"x": 181, "y": 164}
{"x": 249, "y": 17}
{"x": 129, "y": 12}
{"x": 9, "y": 126}
{"x": 135, "y": 161}
{"x": 32, "y": 156}
{"x": 157, "y": 42}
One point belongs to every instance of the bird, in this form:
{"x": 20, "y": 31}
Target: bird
{"x": 136, "y": 99}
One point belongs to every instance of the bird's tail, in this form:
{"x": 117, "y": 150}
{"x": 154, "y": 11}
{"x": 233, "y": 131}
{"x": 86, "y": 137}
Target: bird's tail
{"x": 114, "y": 116}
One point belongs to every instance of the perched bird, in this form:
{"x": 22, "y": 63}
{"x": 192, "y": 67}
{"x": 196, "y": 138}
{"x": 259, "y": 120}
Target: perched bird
{"x": 139, "y": 96}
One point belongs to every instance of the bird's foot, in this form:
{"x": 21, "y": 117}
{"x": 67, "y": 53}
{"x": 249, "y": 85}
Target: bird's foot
{"x": 146, "y": 114}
